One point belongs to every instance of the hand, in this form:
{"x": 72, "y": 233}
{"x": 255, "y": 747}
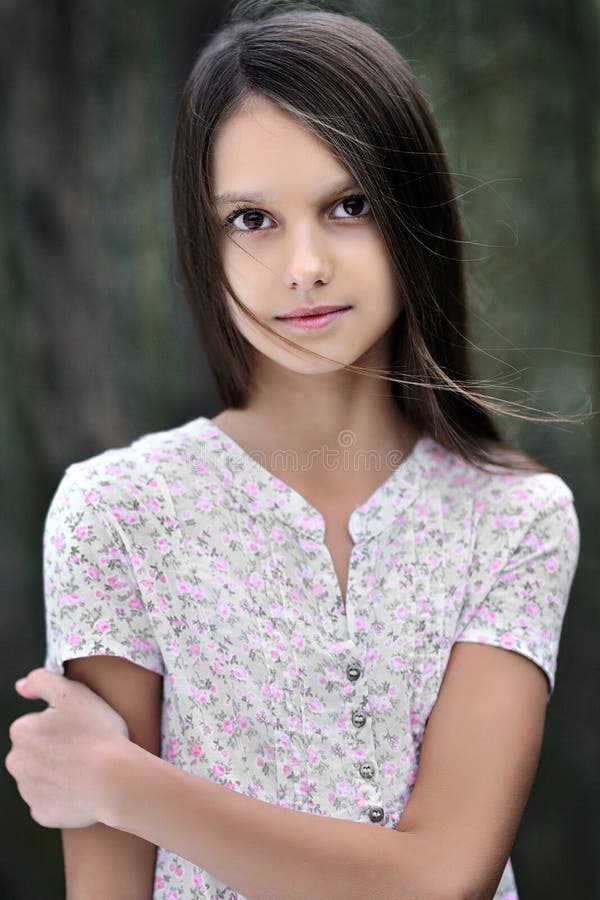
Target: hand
{"x": 58, "y": 755}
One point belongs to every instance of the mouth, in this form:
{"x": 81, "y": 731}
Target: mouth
{"x": 304, "y": 311}
{"x": 315, "y": 318}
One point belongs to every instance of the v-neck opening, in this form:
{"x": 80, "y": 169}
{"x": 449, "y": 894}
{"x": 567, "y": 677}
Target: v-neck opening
{"x": 297, "y": 509}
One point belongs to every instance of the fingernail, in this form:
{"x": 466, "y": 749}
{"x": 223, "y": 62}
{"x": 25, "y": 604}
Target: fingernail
{"x": 20, "y": 682}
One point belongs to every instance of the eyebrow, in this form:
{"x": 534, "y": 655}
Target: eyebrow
{"x": 242, "y": 196}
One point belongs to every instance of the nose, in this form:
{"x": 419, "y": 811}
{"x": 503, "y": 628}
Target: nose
{"x": 308, "y": 262}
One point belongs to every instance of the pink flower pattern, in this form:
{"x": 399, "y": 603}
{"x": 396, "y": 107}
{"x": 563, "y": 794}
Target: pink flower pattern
{"x": 186, "y": 556}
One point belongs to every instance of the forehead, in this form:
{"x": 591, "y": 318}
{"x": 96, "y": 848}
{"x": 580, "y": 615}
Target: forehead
{"x": 263, "y": 148}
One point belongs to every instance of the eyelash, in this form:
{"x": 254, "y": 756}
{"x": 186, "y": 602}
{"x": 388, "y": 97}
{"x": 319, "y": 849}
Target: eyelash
{"x": 229, "y": 226}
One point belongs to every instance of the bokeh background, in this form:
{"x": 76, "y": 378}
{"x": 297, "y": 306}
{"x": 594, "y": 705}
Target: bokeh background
{"x": 97, "y": 346}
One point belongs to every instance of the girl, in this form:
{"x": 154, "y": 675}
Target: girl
{"x": 314, "y": 592}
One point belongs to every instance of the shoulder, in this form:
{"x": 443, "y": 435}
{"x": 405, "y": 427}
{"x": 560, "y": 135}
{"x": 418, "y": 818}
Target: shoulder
{"x": 499, "y": 512}
{"x": 157, "y": 454}
{"x": 497, "y": 490}
{"x": 121, "y": 473}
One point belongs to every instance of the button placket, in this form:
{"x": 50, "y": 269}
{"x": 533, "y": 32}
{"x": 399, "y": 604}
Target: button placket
{"x": 364, "y": 736}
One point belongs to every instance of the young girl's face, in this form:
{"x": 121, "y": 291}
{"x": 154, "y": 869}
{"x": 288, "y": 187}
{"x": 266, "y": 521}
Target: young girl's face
{"x": 305, "y": 237}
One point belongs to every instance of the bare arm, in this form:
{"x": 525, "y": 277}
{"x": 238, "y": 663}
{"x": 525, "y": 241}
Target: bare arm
{"x": 478, "y": 760}
{"x": 262, "y": 850}
{"x": 103, "y": 862}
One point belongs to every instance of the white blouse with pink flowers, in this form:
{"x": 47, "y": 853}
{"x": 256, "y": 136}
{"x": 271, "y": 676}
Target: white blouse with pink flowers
{"x": 185, "y": 555}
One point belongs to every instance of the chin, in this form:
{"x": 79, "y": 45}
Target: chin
{"x": 309, "y": 367}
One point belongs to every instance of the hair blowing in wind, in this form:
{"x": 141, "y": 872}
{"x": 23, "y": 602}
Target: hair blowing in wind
{"x": 346, "y": 83}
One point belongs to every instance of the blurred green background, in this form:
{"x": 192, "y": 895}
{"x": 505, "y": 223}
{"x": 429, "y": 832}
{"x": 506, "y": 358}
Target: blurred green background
{"x": 97, "y": 346}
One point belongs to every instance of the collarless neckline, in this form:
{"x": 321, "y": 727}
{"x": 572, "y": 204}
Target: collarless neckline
{"x": 269, "y": 495}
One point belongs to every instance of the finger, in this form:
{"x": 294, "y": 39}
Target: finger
{"x": 9, "y": 760}
{"x": 43, "y": 684}
{"x": 21, "y": 687}
{"x": 21, "y": 727}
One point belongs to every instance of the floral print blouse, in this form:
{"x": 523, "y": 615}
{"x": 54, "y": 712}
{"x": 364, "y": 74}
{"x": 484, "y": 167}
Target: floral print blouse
{"x": 185, "y": 555}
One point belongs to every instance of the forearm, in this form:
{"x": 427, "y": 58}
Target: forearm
{"x": 264, "y": 851}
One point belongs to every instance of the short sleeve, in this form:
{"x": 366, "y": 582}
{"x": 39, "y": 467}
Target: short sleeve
{"x": 524, "y": 608}
{"x": 93, "y": 604}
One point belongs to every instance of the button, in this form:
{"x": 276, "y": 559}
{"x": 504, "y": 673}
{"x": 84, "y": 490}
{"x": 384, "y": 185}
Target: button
{"x": 358, "y": 718}
{"x": 376, "y": 813}
{"x": 367, "y": 770}
{"x": 353, "y": 671}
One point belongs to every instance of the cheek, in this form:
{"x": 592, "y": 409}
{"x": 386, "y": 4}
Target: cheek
{"x": 242, "y": 321}
{"x": 235, "y": 262}
{"x": 239, "y": 318}
{"x": 370, "y": 257}
{"x": 379, "y": 275}
{"x": 249, "y": 273}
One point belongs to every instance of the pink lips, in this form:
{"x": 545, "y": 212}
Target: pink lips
{"x": 310, "y": 311}
{"x": 314, "y": 317}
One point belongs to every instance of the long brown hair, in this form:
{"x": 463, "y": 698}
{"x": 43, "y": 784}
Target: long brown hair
{"x": 345, "y": 82}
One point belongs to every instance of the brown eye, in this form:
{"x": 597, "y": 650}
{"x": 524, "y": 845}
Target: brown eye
{"x": 249, "y": 220}
{"x": 354, "y": 206}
